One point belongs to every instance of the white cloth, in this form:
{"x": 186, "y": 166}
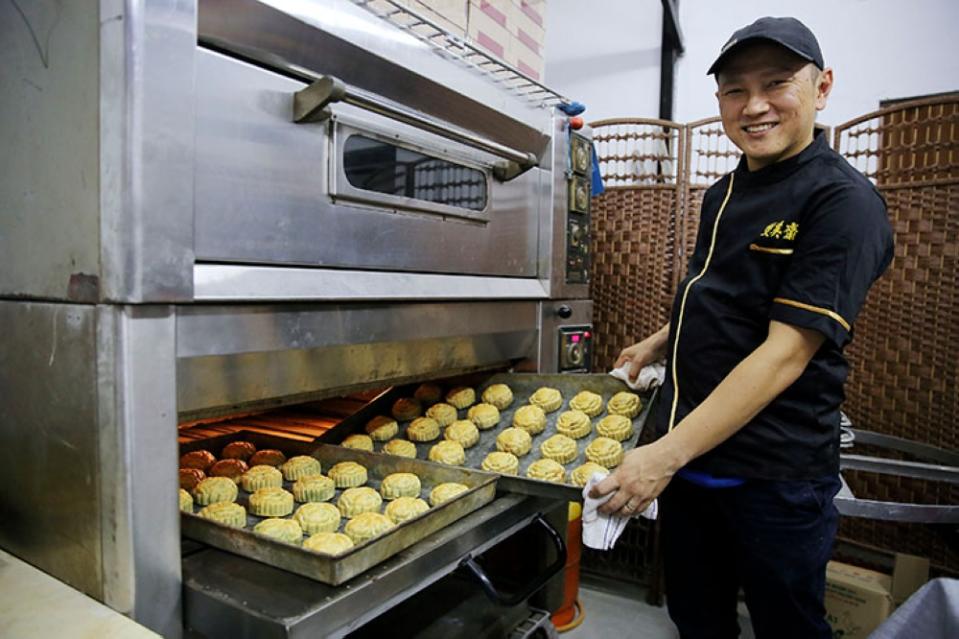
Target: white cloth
{"x": 601, "y": 531}
{"x": 649, "y": 377}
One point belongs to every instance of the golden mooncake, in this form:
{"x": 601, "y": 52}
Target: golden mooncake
{"x": 186, "y": 501}
{"x": 381, "y": 428}
{"x": 238, "y": 450}
{"x": 500, "y": 462}
{"x": 214, "y": 489}
{"x": 355, "y": 501}
{"x": 400, "y": 448}
{"x": 463, "y": 432}
{"x": 348, "y": 474}
{"x": 546, "y": 470}
{"x": 397, "y": 485}
{"x": 271, "y": 502}
{"x": 461, "y": 397}
{"x": 261, "y": 477}
{"x": 485, "y": 416}
{"x": 448, "y": 452}
{"x": 406, "y": 408}
{"x": 358, "y": 441}
{"x": 605, "y": 452}
{"x": 532, "y": 419}
{"x": 443, "y": 413}
{"x": 300, "y": 466}
{"x": 618, "y": 427}
{"x": 514, "y": 440}
{"x": 200, "y": 459}
{"x": 446, "y": 491}
{"x": 366, "y": 526}
{"x": 328, "y": 543}
{"x": 404, "y": 508}
{"x": 559, "y": 448}
{"x": 317, "y": 517}
{"x": 588, "y": 402}
{"x": 428, "y": 394}
{"x": 581, "y": 474}
{"x": 313, "y": 488}
{"x": 423, "y": 429}
{"x": 286, "y": 530}
{"x": 499, "y": 395}
{"x": 230, "y": 468}
{"x": 190, "y": 477}
{"x": 549, "y": 399}
{"x": 624, "y": 403}
{"x": 225, "y": 512}
{"x": 574, "y": 423}
{"x": 267, "y": 457}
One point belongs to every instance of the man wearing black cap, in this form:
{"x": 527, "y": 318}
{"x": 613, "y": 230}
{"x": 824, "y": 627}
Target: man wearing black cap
{"x": 788, "y": 245}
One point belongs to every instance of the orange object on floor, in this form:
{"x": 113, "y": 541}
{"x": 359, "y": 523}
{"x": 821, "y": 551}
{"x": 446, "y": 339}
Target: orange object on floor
{"x": 574, "y": 550}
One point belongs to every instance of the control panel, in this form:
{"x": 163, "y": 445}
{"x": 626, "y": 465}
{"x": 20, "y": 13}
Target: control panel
{"x": 577, "y": 225}
{"x": 575, "y": 348}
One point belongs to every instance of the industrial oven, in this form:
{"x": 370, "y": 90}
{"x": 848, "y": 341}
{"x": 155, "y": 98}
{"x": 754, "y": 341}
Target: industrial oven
{"x": 217, "y": 206}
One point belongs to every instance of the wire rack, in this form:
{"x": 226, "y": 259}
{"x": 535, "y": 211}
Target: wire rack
{"x": 461, "y": 50}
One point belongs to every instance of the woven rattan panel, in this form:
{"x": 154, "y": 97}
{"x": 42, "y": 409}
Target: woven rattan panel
{"x": 633, "y": 232}
{"x": 905, "y": 355}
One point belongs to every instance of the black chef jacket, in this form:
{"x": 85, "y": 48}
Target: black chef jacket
{"x": 800, "y": 242}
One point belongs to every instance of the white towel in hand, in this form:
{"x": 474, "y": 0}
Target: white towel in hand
{"x": 649, "y": 377}
{"x": 601, "y": 531}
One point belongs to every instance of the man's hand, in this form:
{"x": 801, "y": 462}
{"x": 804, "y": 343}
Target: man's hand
{"x": 644, "y": 353}
{"x": 643, "y": 475}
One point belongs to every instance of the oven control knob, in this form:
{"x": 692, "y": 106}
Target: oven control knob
{"x": 564, "y": 311}
{"x": 575, "y": 234}
{"x": 574, "y": 354}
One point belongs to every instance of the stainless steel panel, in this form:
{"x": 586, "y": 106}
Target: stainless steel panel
{"x": 146, "y": 149}
{"x": 236, "y": 355}
{"x": 223, "y": 282}
{"x": 552, "y": 320}
{"x": 49, "y": 171}
{"x": 311, "y": 38}
{"x": 262, "y": 193}
{"x": 138, "y": 464}
{"x": 50, "y": 502}
{"x": 231, "y": 596}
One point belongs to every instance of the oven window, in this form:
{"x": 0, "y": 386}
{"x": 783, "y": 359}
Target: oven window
{"x": 378, "y": 166}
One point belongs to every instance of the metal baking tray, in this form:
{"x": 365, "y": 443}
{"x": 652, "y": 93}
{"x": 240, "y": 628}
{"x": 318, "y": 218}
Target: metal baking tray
{"x": 523, "y": 385}
{"x": 335, "y": 570}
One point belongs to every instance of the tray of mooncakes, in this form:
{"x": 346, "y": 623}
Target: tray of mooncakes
{"x": 325, "y": 512}
{"x": 544, "y": 435}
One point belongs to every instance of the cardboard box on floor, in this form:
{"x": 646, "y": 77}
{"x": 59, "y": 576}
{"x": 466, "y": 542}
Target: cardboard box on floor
{"x": 858, "y": 600}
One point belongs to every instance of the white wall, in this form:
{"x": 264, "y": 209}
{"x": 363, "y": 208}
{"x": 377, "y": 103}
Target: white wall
{"x": 605, "y": 53}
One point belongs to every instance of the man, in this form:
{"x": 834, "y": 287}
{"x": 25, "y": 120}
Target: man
{"x": 748, "y": 416}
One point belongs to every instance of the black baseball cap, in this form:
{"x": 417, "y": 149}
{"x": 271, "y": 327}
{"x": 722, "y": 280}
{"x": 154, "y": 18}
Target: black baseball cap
{"x": 787, "y": 32}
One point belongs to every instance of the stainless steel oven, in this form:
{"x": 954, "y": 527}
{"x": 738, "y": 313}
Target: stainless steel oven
{"x": 222, "y": 205}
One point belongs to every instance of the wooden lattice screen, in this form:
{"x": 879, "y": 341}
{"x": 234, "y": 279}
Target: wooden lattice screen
{"x": 905, "y": 355}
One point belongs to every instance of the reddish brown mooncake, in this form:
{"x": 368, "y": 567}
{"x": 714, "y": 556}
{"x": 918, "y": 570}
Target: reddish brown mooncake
{"x": 190, "y": 477}
{"x": 267, "y": 457}
{"x": 201, "y": 459}
{"x": 232, "y": 468}
{"x": 238, "y": 450}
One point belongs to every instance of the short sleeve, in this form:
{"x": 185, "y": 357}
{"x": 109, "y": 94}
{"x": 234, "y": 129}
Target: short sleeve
{"x": 844, "y": 244}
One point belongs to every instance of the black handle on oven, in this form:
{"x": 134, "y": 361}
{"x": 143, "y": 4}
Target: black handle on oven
{"x": 535, "y": 584}
{"x": 312, "y": 105}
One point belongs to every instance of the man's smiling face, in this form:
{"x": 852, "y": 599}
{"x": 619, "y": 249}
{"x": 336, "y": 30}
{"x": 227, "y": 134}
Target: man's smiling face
{"x": 768, "y": 99}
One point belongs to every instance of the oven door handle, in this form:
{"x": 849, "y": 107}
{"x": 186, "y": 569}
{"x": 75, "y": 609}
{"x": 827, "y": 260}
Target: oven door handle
{"x": 312, "y": 104}
{"x": 470, "y": 564}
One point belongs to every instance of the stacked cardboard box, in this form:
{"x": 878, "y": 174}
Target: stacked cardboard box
{"x": 512, "y": 30}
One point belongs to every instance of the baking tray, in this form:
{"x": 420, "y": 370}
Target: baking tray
{"x": 523, "y": 385}
{"x": 335, "y": 570}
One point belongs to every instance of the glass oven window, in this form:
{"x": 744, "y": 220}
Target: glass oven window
{"x": 374, "y": 165}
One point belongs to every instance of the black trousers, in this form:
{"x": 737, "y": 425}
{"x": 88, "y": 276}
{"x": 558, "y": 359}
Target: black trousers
{"x": 772, "y": 538}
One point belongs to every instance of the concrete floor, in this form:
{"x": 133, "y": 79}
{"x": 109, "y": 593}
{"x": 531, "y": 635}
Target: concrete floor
{"x": 614, "y": 609}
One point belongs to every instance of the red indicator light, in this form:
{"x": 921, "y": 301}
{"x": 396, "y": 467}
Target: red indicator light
{"x": 575, "y": 339}
{"x": 586, "y": 335}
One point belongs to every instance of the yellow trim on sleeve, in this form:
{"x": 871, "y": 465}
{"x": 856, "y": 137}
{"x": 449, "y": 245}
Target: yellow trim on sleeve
{"x": 814, "y": 309}
{"x": 769, "y": 249}
{"x": 682, "y": 304}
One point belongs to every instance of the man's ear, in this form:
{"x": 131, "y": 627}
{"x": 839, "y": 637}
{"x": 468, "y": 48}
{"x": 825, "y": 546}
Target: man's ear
{"x": 823, "y": 87}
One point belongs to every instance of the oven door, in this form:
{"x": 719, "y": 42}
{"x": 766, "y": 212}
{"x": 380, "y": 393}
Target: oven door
{"x": 357, "y": 190}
